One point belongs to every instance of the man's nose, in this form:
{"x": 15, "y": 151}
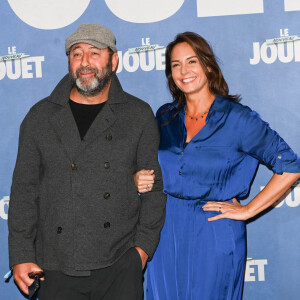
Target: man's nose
{"x": 85, "y": 60}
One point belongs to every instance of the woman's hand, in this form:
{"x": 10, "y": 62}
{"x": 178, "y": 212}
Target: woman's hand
{"x": 276, "y": 187}
{"x": 228, "y": 210}
{"x": 144, "y": 180}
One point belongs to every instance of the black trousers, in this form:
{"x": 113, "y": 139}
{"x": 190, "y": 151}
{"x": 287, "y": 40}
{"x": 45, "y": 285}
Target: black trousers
{"x": 121, "y": 281}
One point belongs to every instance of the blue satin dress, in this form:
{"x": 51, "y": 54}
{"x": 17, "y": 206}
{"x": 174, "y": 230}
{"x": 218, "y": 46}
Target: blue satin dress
{"x": 197, "y": 259}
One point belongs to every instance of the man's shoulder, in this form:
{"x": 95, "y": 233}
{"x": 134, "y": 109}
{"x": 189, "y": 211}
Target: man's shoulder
{"x": 40, "y": 107}
{"x": 40, "y": 112}
{"x": 135, "y": 100}
{"x": 59, "y": 92}
{"x": 138, "y": 104}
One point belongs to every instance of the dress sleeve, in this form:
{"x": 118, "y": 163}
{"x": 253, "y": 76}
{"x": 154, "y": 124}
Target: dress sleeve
{"x": 265, "y": 144}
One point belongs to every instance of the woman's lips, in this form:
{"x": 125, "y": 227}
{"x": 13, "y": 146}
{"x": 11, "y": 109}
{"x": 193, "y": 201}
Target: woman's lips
{"x": 188, "y": 80}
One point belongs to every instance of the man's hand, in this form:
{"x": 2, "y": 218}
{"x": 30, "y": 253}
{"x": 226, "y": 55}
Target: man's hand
{"x": 20, "y": 273}
{"x": 143, "y": 255}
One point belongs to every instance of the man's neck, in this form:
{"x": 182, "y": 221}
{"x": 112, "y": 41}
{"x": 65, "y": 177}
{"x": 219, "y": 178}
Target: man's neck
{"x": 84, "y": 99}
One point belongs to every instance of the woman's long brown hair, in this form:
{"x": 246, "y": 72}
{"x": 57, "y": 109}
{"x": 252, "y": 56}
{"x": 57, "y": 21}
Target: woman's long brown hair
{"x": 216, "y": 82}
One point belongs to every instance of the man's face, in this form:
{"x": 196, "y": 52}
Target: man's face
{"x": 91, "y": 68}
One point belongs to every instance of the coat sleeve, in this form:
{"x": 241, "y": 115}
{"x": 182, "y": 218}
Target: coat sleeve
{"x": 23, "y": 206}
{"x": 265, "y": 144}
{"x": 152, "y": 212}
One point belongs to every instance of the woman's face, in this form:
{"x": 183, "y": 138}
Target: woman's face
{"x": 187, "y": 71}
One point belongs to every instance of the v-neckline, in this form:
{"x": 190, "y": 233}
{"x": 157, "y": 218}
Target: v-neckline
{"x": 203, "y": 128}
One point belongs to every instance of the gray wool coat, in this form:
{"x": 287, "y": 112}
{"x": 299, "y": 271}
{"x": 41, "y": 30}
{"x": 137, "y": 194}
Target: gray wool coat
{"x": 74, "y": 206}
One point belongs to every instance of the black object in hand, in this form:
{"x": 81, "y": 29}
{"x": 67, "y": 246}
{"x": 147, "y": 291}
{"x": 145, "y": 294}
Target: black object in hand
{"x": 36, "y": 284}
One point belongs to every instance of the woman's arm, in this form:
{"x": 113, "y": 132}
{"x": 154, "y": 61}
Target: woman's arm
{"x": 275, "y": 188}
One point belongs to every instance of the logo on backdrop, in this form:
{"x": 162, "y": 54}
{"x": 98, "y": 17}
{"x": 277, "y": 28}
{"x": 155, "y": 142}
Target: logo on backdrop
{"x": 49, "y": 14}
{"x": 228, "y": 7}
{"x": 285, "y": 48}
{"x": 145, "y": 46}
{"x": 20, "y": 65}
{"x": 4, "y": 203}
{"x": 146, "y": 57}
{"x": 144, "y": 11}
{"x": 255, "y": 269}
{"x": 44, "y": 14}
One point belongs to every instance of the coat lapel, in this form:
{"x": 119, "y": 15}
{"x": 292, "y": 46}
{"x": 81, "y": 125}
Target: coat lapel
{"x": 106, "y": 118}
{"x": 65, "y": 126}
{"x": 102, "y": 122}
{"x": 63, "y": 121}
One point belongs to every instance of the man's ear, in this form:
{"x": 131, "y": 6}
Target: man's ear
{"x": 115, "y": 61}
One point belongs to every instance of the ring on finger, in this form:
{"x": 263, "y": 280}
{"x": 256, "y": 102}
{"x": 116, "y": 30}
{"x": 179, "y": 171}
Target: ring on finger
{"x": 148, "y": 187}
{"x": 220, "y": 210}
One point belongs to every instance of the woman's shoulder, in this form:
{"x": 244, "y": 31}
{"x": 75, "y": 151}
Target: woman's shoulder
{"x": 238, "y": 109}
{"x": 165, "y": 109}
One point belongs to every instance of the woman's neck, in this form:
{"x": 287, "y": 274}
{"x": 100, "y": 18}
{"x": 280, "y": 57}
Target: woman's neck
{"x": 199, "y": 104}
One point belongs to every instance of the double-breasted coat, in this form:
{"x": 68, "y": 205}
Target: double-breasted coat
{"x": 74, "y": 206}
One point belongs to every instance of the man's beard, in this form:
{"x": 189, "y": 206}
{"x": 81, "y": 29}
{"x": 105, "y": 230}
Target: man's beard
{"x": 97, "y": 84}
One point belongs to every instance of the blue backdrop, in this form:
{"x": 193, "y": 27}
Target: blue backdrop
{"x": 266, "y": 74}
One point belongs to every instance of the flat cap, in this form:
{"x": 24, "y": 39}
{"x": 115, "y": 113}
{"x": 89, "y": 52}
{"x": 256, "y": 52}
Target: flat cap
{"x": 93, "y": 34}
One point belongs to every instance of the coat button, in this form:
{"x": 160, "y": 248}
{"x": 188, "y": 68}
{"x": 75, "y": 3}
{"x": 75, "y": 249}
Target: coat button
{"x": 106, "y": 225}
{"x": 73, "y": 166}
{"x": 106, "y": 165}
{"x": 178, "y": 196}
{"x": 59, "y": 230}
{"x": 108, "y": 137}
{"x": 279, "y": 156}
{"x": 106, "y": 195}
{"x": 179, "y": 173}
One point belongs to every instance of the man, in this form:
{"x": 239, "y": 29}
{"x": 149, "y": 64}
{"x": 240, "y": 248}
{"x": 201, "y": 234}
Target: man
{"x": 74, "y": 209}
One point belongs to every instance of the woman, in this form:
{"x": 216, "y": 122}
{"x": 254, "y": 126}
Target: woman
{"x": 209, "y": 151}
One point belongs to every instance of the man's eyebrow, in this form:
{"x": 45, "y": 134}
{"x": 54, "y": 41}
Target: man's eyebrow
{"x": 75, "y": 47}
{"x": 79, "y": 47}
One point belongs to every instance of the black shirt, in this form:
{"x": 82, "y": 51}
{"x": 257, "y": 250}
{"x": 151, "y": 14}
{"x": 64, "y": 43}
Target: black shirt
{"x": 84, "y": 115}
